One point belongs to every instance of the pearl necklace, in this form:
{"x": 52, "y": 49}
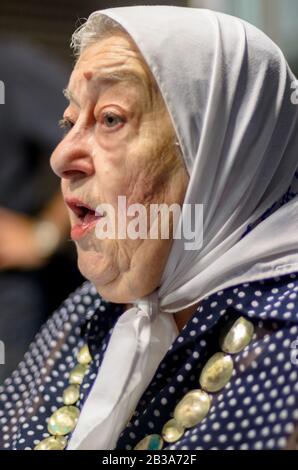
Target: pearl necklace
{"x": 215, "y": 375}
{"x": 189, "y": 411}
{"x": 64, "y": 420}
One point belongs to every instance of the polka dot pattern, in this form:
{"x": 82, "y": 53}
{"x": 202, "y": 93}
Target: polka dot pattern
{"x": 256, "y": 410}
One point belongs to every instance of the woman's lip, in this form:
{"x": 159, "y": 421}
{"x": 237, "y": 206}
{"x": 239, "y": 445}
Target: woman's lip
{"x": 74, "y": 204}
{"x": 79, "y": 230}
{"x": 83, "y": 223}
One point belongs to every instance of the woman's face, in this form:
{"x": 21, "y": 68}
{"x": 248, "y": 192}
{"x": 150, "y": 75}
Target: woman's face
{"x": 120, "y": 142}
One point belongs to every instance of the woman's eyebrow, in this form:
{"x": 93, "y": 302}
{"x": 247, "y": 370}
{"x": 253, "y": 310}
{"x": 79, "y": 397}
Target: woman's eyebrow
{"x": 69, "y": 96}
{"x": 112, "y": 78}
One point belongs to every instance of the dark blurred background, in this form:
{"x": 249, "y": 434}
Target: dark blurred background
{"x": 51, "y": 23}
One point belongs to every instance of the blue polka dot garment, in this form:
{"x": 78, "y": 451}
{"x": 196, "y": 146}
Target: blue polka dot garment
{"x": 257, "y": 409}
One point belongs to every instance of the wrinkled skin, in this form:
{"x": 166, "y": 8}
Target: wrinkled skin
{"x": 132, "y": 153}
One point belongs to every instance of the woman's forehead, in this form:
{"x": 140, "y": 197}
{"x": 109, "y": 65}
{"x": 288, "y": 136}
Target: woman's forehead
{"x": 110, "y": 61}
{"x": 115, "y": 52}
{"x": 105, "y": 65}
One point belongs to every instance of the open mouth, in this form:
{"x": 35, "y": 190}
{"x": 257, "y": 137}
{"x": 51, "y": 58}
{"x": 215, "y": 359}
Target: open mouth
{"x": 86, "y": 217}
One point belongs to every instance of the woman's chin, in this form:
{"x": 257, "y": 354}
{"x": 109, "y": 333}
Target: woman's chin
{"x": 95, "y": 268}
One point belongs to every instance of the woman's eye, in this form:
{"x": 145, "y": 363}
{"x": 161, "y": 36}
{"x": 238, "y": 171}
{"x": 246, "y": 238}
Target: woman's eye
{"x": 111, "y": 119}
{"x": 66, "y": 124}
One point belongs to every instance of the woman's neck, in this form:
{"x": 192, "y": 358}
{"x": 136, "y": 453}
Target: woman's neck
{"x": 183, "y": 316}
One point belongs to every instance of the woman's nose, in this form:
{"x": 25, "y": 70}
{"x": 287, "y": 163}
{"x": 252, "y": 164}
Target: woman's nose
{"x": 72, "y": 159}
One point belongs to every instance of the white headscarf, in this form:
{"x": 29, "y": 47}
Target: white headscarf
{"x": 228, "y": 90}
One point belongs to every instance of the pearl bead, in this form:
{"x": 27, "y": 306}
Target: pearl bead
{"x": 76, "y": 375}
{"x": 151, "y": 442}
{"x": 71, "y": 395}
{"x": 172, "y": 431}
{"x": 52, "y": 443}
{"x": 192, "y": 409}
{"x": 238, "y": 336}
{"x": 217, "y": 372}
{"x": 63, "y": 420}
{"x": 84, "y": 356}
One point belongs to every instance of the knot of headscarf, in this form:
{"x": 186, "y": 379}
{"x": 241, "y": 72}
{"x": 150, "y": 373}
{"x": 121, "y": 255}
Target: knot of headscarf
{"x": 139, "y": 341}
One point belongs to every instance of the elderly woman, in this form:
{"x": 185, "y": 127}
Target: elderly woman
{"x": 172, "y": 344}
